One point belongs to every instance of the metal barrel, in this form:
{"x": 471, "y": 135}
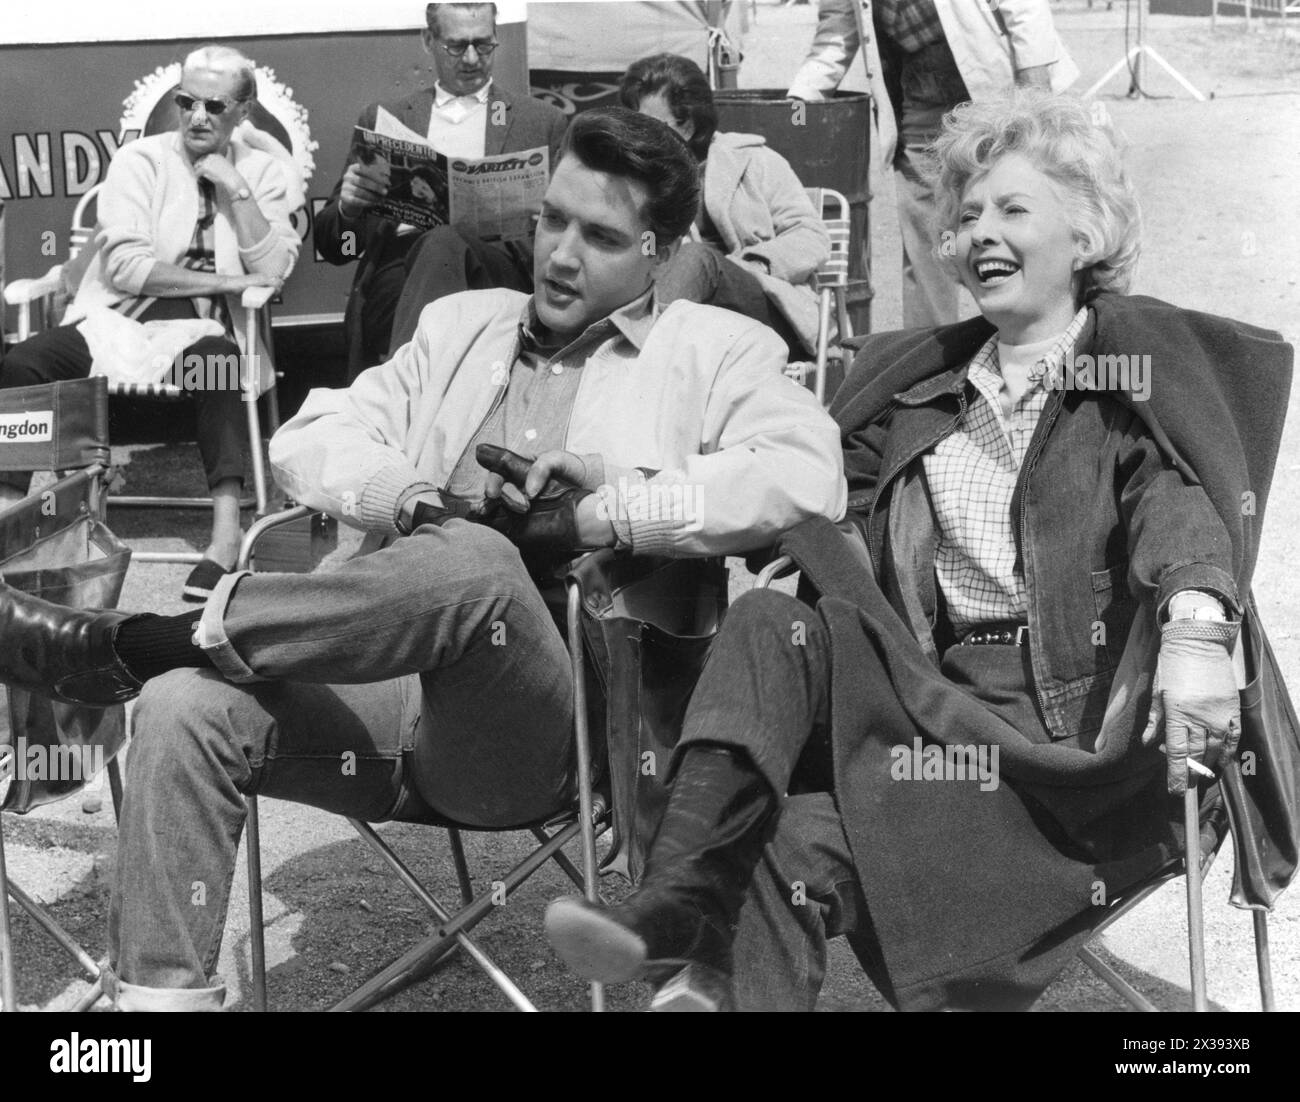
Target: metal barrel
{"x": 827, "y": 145}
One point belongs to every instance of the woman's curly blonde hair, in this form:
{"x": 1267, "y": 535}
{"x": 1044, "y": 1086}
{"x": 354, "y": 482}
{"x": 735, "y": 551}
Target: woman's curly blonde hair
{"x": 1066, "y": 140}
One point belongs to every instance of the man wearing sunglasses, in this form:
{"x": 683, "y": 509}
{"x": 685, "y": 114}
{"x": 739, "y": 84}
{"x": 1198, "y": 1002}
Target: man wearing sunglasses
{"x": 464, "y": 114}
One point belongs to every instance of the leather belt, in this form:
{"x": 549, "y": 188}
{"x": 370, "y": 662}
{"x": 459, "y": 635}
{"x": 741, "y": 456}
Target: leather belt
{"x": 1009, "y": 634}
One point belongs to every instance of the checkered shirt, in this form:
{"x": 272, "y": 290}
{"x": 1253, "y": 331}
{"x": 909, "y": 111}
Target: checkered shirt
{"x": 972, "y": 477}
{"x": 911, "y": 25}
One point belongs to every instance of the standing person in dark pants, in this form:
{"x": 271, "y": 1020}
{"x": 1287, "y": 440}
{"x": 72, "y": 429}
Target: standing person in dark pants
{"x": 464, "y": 114}
{"x": 187, "y": 221}
{"x": 926, "y": 57}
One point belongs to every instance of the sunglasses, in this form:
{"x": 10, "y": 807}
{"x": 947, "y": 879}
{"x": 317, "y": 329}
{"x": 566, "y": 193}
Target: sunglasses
{"x": 211, "y": 106}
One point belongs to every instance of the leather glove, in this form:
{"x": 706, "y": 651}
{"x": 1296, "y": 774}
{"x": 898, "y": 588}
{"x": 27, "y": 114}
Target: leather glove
{"x": 1195, "y": 703}
{"x": 547, "y": 533}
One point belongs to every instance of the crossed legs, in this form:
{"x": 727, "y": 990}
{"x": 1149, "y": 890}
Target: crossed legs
{"x": 425, "y": 678}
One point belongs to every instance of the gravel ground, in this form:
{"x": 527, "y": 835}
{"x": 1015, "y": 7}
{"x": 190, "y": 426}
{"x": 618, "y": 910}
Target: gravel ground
{"x": 1219, "y": 186}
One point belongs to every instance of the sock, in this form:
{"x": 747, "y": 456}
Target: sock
{"x": 149, "y": 645}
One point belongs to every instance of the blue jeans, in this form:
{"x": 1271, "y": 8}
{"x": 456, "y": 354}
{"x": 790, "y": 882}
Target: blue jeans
{"x": 424, "y": 682}
{"x": 765, "y": 690}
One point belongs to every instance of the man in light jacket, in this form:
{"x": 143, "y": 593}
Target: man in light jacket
{"x": 925, "y": 57}
{"x": 428, "y": 678}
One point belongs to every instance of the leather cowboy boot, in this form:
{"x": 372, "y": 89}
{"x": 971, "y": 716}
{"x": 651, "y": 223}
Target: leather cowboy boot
{"x": 60, "y": 652}
{"x": 681, "y": 922}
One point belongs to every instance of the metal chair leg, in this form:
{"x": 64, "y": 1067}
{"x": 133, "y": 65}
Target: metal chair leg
{"x": 417, "y": 961}
{"x": 115, "y": 788}
{"x": 1117, "y": 983}
{"x": 8, "y": 981}
{"x": 1195, "y": 914}
{"x": 259, "y": 460}
{"x": 1262, "y": 961}
{"x": 823, "y": 342}
{"x": 586, "y": 804}
{"x": 462, "y": 866}
{"x": 46, "y": 922}
{"x": 256, "y": 933}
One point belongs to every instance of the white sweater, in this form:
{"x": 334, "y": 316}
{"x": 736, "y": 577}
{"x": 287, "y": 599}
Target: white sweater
{"x": 742, "y": 452}
{"x": 149, "y": 205}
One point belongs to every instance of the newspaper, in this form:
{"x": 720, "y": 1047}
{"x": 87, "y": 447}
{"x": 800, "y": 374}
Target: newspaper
{"x": 496, "y": 197}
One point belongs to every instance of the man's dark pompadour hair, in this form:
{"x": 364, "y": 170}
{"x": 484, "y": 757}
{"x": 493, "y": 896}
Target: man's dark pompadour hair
{"x": 626, "y": 143}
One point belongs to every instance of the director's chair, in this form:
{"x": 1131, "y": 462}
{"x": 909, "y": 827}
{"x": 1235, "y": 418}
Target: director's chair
{"x": 641, "y": 628}
{"x": 1258, "y": 821}
{"x": 54, "y": 544}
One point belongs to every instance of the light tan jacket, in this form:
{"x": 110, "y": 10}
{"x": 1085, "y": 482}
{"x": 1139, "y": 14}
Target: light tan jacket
{"x": 741, "y": 452}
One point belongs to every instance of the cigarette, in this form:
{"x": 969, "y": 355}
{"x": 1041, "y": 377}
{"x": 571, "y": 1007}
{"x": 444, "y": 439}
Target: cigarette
{"x": 1194, "y": 765}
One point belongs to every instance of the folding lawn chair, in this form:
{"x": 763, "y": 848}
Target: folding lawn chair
{"x": 54, "y": 544}
{"x": 641, "y": 627}
{"x": 40, "y": 303}
{"x": 833, "y": 285}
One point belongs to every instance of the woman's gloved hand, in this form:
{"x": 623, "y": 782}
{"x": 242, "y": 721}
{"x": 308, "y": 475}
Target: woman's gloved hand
{"x": 1195, "y": 704}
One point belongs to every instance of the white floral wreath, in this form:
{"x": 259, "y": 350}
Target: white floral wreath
{"x": 271, "y": 94}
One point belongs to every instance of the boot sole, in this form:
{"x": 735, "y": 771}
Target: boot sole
{"x": 592, "y": 944}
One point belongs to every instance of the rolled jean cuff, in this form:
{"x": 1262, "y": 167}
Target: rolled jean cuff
{"x": 131, "y": 998}
{"x": 210, "y": 633}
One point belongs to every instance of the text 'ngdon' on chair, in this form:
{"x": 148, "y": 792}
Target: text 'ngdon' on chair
{"x": 54, "y": 544}
{"x": 638, "y": 630}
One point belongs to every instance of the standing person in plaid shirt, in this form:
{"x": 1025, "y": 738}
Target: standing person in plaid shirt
{"x": 187, "y": 220}
{"x": 954, "y": 758}
{"x": 926, "y": 57}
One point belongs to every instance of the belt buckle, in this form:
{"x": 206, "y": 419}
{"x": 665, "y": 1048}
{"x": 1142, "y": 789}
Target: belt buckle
{"x": 1022, "y": 632}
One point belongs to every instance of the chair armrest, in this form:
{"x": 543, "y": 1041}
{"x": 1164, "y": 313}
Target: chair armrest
{"x": 23, "y": 291}
{"x": 780, "y": 567}
{"x": 259, "y": 528}
{"x": 254, "y": 298}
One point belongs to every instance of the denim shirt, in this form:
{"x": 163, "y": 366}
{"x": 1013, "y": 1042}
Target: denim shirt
{"x": 1106, "y": 530}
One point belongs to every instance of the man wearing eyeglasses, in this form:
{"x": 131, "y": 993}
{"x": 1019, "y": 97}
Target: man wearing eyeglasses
{"x": 464, "y": 114}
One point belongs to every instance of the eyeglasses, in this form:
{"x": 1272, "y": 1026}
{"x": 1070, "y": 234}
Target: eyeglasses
{"x": 457, "y": 46}
{"x": 211, "y": 106}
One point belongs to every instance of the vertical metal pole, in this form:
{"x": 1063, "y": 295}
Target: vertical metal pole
{"x": 1248, "y": 16}
{"x": 583, "y": 742}
{"x": 256, "y": 936}
{"x": 462, "y": 866}
{"x": 1262, "y": 961}
{"x": 1139, "y": 58}
{"x": 115, "y": 788}
{"x": 8, "y": 984}
{"x": 248, "y": 394}
{"x": 1195, "y": 917}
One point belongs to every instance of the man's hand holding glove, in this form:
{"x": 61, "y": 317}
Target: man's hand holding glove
{"x": 546, "y": 506}
{"x": 1195, "y": 704}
